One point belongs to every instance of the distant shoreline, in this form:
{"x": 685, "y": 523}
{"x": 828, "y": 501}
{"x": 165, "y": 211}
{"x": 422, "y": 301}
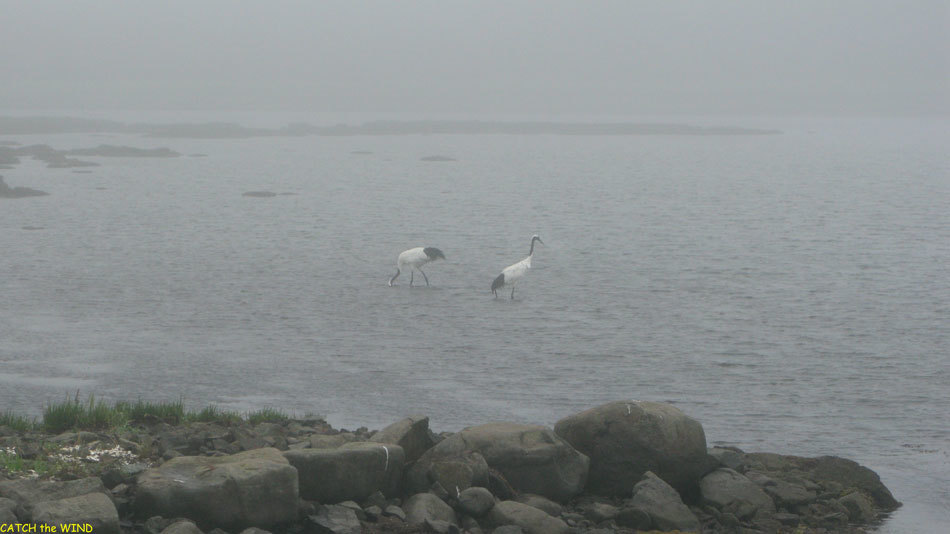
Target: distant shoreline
{"x": 227, "y": 130}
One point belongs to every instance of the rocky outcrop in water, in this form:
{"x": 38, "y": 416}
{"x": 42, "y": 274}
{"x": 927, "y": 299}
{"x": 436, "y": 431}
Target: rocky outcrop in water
{"x": 18, "y": 192}
{"x": 304, "y": 476}
{"x": 113, "y": 151}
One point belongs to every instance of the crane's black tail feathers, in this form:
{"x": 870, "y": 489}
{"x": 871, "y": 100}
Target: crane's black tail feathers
{"x": 433, "y": 253}
{"x": 499, "y": 281}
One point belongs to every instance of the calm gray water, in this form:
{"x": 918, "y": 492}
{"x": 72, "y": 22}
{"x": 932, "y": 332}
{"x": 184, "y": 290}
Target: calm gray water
{"x": 791, "y": 292}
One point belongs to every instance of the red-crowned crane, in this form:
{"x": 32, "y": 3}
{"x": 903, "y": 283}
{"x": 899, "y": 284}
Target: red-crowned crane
{"x": 510, "y": 275}
{"x": 414, "y": 259}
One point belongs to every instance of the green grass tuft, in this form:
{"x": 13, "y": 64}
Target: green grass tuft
{"x": 17, "y": 422}
{"x": 72, "y": 414}
{"x": 211, "y": 414}
{"x": 267, "y": 415}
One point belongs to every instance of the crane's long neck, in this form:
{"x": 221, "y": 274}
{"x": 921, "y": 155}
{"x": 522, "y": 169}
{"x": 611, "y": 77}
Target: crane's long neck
{"x": 531, "y": 252}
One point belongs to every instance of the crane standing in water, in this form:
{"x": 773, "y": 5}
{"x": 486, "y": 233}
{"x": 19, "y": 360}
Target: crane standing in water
{"x": 510, "y": 275}
{"x": 414, "y": 259}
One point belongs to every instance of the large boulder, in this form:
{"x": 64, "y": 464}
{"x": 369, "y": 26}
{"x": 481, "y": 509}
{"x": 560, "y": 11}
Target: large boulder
{"x": 27, "y": 493}
{"x": 256, "y": 488}
{"x": 663, "y": 504}
{"x": 530, "y": 457}
{"x": 731, "y": 492}
{"x": 411, "y": 433}
{"x": 530, "y": 519}
{"x": 7, "y": 511}
{"x": 353, "y": 471}
{"x": 625, "y": 439}
{"x": 93, "y": 509}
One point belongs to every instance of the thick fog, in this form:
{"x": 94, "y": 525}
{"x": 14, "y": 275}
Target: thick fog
{"x": 551, "y": 57}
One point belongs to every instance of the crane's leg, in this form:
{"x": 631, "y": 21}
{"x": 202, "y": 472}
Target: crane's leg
{"x": 410, "y": 277}
{"x": 512, "y": 292}
{"x": 424, "y": 276}
{"x": 393, "y": 279}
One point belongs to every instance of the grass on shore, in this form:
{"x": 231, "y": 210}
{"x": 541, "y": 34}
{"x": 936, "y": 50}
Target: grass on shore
{"x": 74, "y": 414}
{"x": 16, "y": 422}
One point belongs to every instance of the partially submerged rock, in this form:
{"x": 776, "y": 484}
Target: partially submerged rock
{"x": 18, "y": 192}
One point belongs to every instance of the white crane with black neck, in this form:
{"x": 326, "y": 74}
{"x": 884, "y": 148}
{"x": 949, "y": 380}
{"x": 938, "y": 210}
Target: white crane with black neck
{"x": 513, "y": 273}
{"x": 414, "y": 259}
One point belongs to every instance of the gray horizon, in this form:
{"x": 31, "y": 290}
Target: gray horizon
{"x": 552, "y": 59}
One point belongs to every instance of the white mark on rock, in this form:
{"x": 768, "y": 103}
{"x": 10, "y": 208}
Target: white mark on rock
{"x": 385, "y": 448}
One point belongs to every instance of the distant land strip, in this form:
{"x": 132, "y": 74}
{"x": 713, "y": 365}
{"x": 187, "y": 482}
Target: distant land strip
{"x": 227, "y": 130}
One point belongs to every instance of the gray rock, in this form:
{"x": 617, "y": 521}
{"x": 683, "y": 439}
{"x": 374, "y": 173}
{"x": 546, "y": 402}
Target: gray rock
{"x": 395, "y": 511}
{"x": 626, "y": 439}
{"x": 7, "y": 511}
{"x": 730, "y": 491}
{"x": 182, "y": 527}
{"x": 27, "y": 492}
{"x": 789, "y": 520}
{"x": 441, "y": 527}
{"x": 850, "y": 474}
{"x": 529, "y": 518}
{"x": 255, "y": 530}
{"x": 832, "y": 473}
{"x": 376, "y": 498}
{"x": 508, "y": 529}
{"x": 253, "y": 488}
{"x": 18, "y": 192}
{"x": 449, "y": 469}
{"x": 787, "y": 494}
{"x": 357, "y": 509}
{"x": 530, "y": 457}
{"x": 373, "y": 512}
{"x": 470, "y": 525}
{"x": 411, "y": 433}
{"x": 423, "y": 507}
{"x": 93, "y": 509}
{"x": 335, "y": 519}
{"x": 860, "y": 508}
{"x": 353, "y": 471}
{"x": 327, "y": 441}
{"x": 541, "y": 503}
{"x": 599, "y": 512}
{"x": 475, "y": 501}
{"x": 730, "y": 458}
{"x": 663, "y": 504}
{"x": 634, "y": 518}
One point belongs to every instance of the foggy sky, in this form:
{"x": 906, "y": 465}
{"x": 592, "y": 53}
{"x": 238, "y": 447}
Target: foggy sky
{"x": 540, "y": 57}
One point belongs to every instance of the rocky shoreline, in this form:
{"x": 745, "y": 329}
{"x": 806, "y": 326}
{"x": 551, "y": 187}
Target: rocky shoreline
{"x": 623, "y": 467}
